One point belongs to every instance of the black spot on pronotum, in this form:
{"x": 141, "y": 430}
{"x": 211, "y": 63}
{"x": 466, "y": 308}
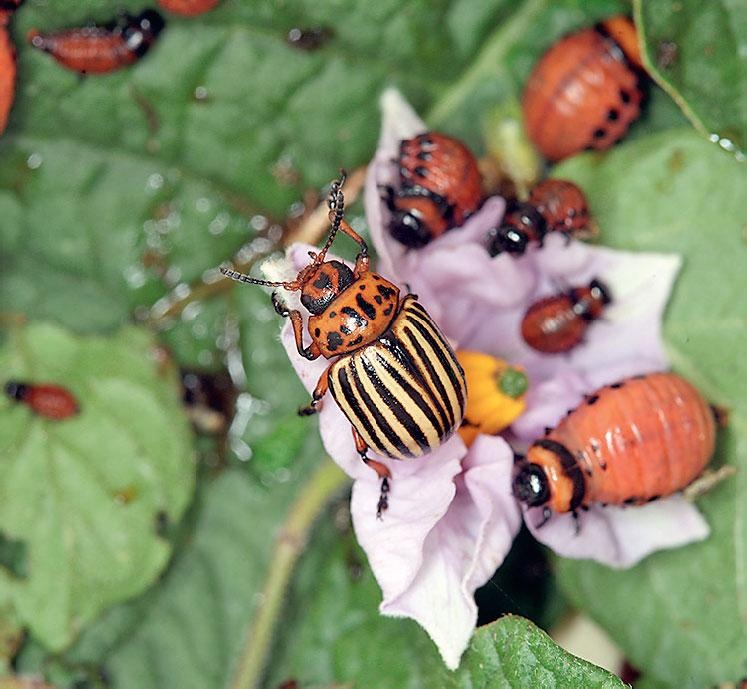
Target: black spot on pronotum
{"x": 378, "y": 299}
{"x": 334, "y": 341}
{"x": 367, "y": 308}
{"x": 617, "y": 386}
{"x": 592, "y": 399}
{"x": 317, "y": 332}
{"x": 384, "y": 291}
{"x": 357, "y": 320}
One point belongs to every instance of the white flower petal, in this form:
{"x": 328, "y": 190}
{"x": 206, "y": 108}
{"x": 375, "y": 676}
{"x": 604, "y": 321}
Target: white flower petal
{"x": 620, "y": 537}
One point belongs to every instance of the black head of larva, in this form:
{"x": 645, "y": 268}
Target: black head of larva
{"x": 600, "y": 291}
{"x": 507, "y": 239}
{"x": 530, "y": 484}
{"x": 149, "y": 22}
{"x": 408, "y": 229}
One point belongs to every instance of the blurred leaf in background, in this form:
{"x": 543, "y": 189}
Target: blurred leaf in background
{"x": 84, "y": 496}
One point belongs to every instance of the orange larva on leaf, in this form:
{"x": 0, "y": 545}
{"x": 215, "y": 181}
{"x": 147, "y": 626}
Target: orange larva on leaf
{"x": 584, "y": 92}
{"x": 101, "y": 49}
{"x": 44, "y": 399}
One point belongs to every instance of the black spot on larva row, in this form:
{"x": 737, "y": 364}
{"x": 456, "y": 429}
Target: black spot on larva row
{"x": 592, "y": 399}
{"x": 618, "y": 385}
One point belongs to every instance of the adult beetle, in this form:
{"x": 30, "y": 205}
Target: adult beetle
{"x": 394, "y": 375}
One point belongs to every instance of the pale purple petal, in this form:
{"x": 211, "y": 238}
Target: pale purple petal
{"x": 547, "y": 403}
{"x": 626, "y": 341}
{"x": 620, "y": 537}
{"x": 460, "y": 553}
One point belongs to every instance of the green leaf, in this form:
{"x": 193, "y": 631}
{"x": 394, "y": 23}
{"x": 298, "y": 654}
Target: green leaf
{"x": 512, "y": 653}
{"x": 187, "y": 631}
{"x": 82, "y": 496}
{"x": 681, "y": 616}
{"x": 696, "y": 52}
{"x": 333, "y": 633}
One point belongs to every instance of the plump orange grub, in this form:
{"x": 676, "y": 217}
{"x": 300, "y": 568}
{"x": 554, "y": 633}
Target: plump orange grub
{"x": 634, "y": 441}
{"x": 44, "y": 399}
{"x": 562, "y": 204}
{"x": 495, "y": 394}
{"x": 101, "y": 49}
{"x": 188, "y": 8}
{"x": 7, "y": 77}
{"x": 558, "y": 323}
{"x": 584, "y": 92}
{"x": 439, "y": 188}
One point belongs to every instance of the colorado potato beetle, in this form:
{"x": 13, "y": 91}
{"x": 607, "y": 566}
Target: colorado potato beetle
{"x": 395, "y": 377}
{"x": 630, "y": 442}
{"x": 558, "y": 323}
{"x": 188, "y": 8}
{"x": 45, "y": 399}
{"x": 101, "y": 49}
{"x": 585, "y": 91}
{"x": 439, "y": 188}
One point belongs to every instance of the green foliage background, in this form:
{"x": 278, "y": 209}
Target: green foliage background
{"x": 119, "y": 195}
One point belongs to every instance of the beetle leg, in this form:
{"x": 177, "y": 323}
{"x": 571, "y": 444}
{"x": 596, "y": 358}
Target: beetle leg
{"x": 546, "y": 514}
{"x": 316, "y": 397}
{"x": 381, "y": 469}
{"x": 312, "y": 351}
{"x": 361, "y": 260}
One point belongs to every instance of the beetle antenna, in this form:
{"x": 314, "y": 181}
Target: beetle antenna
{"x": 242, "y": 277}
{"x": 336, "y": 203}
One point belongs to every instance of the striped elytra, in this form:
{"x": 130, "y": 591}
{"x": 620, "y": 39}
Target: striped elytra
{"x": 405, "y": 392}
{"x": 44, "y": 399}
{"x": 628, "y": 443}
{"x": 101, "y": 49}
{"x": 393, "y": 374}
{"x": 584, "y": 92}
{"x": 439, "y": 188}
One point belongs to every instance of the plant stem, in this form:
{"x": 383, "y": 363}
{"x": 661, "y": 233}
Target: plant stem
{"x": 290, "y": 543}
